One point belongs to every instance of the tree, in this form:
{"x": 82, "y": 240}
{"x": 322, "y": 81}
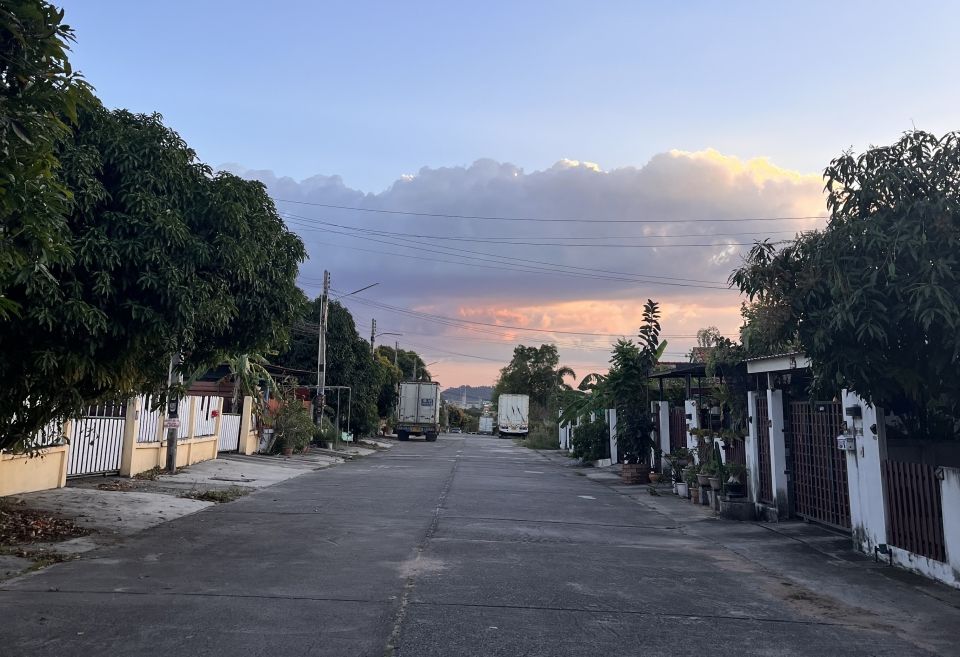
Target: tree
{"x": 39, "y": 94}
{"x": 166, "y": 258}
{"x": 874, "y": 298}
{"x": 626, "y": 388}
{"x": 535, "y": 371}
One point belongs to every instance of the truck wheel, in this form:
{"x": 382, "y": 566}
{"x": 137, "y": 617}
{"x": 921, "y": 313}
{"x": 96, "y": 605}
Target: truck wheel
{"x": 403, "y": 435}
{"x": 431, "y": 437}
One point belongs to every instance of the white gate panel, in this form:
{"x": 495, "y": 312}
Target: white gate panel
{"x": 205, "y": 419}
{"x": 96, "y": 441}
{"x": 229, "y": 433}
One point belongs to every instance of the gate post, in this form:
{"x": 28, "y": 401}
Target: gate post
{"x": 662, "y": 409}
{"x": 693, "y": 422}
{"x": 131, "y": 430}
{"x": 750, "y": 448}
{"x": 612, "y": 429}
{"x": 217, "y": 423}
{"x": 868, "y": 499}
{"x": 778, "y": 453}
{"x": 246, "y": 446}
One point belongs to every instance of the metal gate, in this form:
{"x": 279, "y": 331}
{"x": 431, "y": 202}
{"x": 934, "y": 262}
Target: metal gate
{"x": 820, "y": 490}
{"x": 229, "y": 433}
{"x": 96, "y": 440}
{"x": 678, "y": 428}
{"x": 765, "y": 492}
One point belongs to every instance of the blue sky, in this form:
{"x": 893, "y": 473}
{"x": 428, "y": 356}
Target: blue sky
{"x": 374, "y": 90}
{"x": 689, "y": 110}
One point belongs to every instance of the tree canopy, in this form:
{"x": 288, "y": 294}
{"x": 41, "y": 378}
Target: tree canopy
{"x": 163, "y": 257}
{"x": 874, "y": 298}
{"x": 39, "y": 93}
{"x": 535, "y": 371}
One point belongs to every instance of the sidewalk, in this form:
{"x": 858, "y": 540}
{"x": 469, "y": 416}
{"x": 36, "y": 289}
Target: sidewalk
{"x": 105, "y": 510}
{"x": 810, "y": 565}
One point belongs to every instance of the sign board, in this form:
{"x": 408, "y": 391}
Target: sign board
{"x": 426, "y": 401}
{"x": 171, "y": 423}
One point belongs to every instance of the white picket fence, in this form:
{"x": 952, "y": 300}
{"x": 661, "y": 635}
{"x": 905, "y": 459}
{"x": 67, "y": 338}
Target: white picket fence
{"x": 229, "y": 433}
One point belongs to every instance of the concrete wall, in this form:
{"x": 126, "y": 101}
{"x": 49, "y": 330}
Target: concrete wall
{"x": 23, "y": 474}
{"x": 868, "y": 515}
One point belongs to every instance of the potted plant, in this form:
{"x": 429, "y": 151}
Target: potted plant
{"x": 654, "y": 477}
{"x": 703, "y": 475}
{"x": 689, "y": 480}
{"x": 735, "y": 482}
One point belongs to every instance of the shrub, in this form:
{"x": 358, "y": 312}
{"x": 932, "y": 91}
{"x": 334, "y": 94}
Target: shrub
{"x": 589, "y": 440}
{"x": 541, "y": 437}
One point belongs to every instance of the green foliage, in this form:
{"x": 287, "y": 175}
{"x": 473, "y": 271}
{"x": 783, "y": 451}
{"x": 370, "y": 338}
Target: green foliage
{"x": 292, "y": 423}
{"x": 874, "y": 298}
{"x": 167, "y": 258}
{"x": 373, "y": 381}
{"x": 541, "y": 437}
{"x": 535, "y": 371}
{"x": 589, "y": 439}
{"x": 39, "y": 95}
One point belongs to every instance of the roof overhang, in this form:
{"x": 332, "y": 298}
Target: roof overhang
{"x": 778, "y": 363}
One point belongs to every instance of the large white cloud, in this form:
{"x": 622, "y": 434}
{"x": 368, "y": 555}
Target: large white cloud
{"x": 442, "y": 277}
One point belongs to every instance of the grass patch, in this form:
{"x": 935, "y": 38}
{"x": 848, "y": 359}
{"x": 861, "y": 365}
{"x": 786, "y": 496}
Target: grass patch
{"x": 540, "y": 437}
{"x": 218, "y": 496}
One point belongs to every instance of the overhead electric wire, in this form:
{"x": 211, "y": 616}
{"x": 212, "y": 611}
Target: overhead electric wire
{"x": 511, "y": 263}
{"x": 484, "y": 253}
{"x": 543, "y": 219}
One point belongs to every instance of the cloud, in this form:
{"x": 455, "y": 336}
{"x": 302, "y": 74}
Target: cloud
{"x": 549, "y": 276}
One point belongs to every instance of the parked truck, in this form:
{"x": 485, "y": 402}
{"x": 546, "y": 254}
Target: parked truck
{"x": 486, "y": 425}
{"x": 418, "y": 410}
{"x": 513, "y": 415}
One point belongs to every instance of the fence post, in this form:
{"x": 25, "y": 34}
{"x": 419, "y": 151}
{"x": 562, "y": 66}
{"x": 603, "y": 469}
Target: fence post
{"x": 217, "y": 423}
{"x": 662, "y": 410}
{"x": 131, "y": 430}
{"x": 865, "y": 483}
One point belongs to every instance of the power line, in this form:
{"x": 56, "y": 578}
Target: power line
{"x": 543, "y": 219}
{"x": 510, "y": 263}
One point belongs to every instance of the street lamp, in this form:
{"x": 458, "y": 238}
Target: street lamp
{"x": 425, "y": 366}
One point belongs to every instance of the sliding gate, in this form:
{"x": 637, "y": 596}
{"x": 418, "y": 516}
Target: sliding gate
{"x": 820, "y": 490}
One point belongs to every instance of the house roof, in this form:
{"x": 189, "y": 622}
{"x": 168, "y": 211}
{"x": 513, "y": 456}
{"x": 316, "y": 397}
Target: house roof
{"x": 778, "y": 363}
{"x": 682, "y": 371}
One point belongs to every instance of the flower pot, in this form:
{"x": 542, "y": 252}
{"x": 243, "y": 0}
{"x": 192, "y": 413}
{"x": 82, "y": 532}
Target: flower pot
{"x": 703, "y": 480}
{"x": 654, "y": 477}
{"x": 634, "y": 473}
{"x": 734, "y": 489}
{"x": 715, "y": 483}
{"x": 682, "y": 490}
{"x": 695, "y": 494}
{"x": 287, "y": 451}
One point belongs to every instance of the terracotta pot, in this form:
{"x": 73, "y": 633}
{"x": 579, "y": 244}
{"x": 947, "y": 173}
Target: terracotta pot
{"x": 287, "y": 451}
{"x": 703, "y": 480}
{"x": 654, "y": 477}
{"x": 695, "y": 494}
{"x": 634, "y": 473}
{"x": 715, "y": 483}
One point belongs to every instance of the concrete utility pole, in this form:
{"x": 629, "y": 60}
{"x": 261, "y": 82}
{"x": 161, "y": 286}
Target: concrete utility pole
{"x": 172, "y": 423}
{"x": 396, "y": 350}
{"x": 322, "y": 348}
{"x": 373, "y": 336}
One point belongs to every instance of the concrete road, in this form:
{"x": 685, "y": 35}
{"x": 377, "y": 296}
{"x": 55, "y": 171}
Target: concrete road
{"x": 466, "y": 546}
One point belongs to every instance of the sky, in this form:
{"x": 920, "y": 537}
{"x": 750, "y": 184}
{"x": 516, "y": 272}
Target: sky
{"x": 674, "y": 113}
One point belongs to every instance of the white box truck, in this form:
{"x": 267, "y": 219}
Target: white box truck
{"x": 418, "y": 410}
{"x": 486, "y": 425}
{"x": 513, "y": 415}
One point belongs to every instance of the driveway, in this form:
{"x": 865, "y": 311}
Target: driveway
{"x": 466, "y": 546}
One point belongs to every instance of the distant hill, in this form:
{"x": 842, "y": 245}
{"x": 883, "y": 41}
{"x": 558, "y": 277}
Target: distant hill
{"x": 475, "y": 394}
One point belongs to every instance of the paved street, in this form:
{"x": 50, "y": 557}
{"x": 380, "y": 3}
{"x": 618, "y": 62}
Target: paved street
{"x": 467, "y": 546}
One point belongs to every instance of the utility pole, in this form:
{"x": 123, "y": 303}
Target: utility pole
{"x": 172, "y": 423}
{"x": 396, "y": 350}
{"x": 322, "y": 348}
{"x": 373, "y": 336}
